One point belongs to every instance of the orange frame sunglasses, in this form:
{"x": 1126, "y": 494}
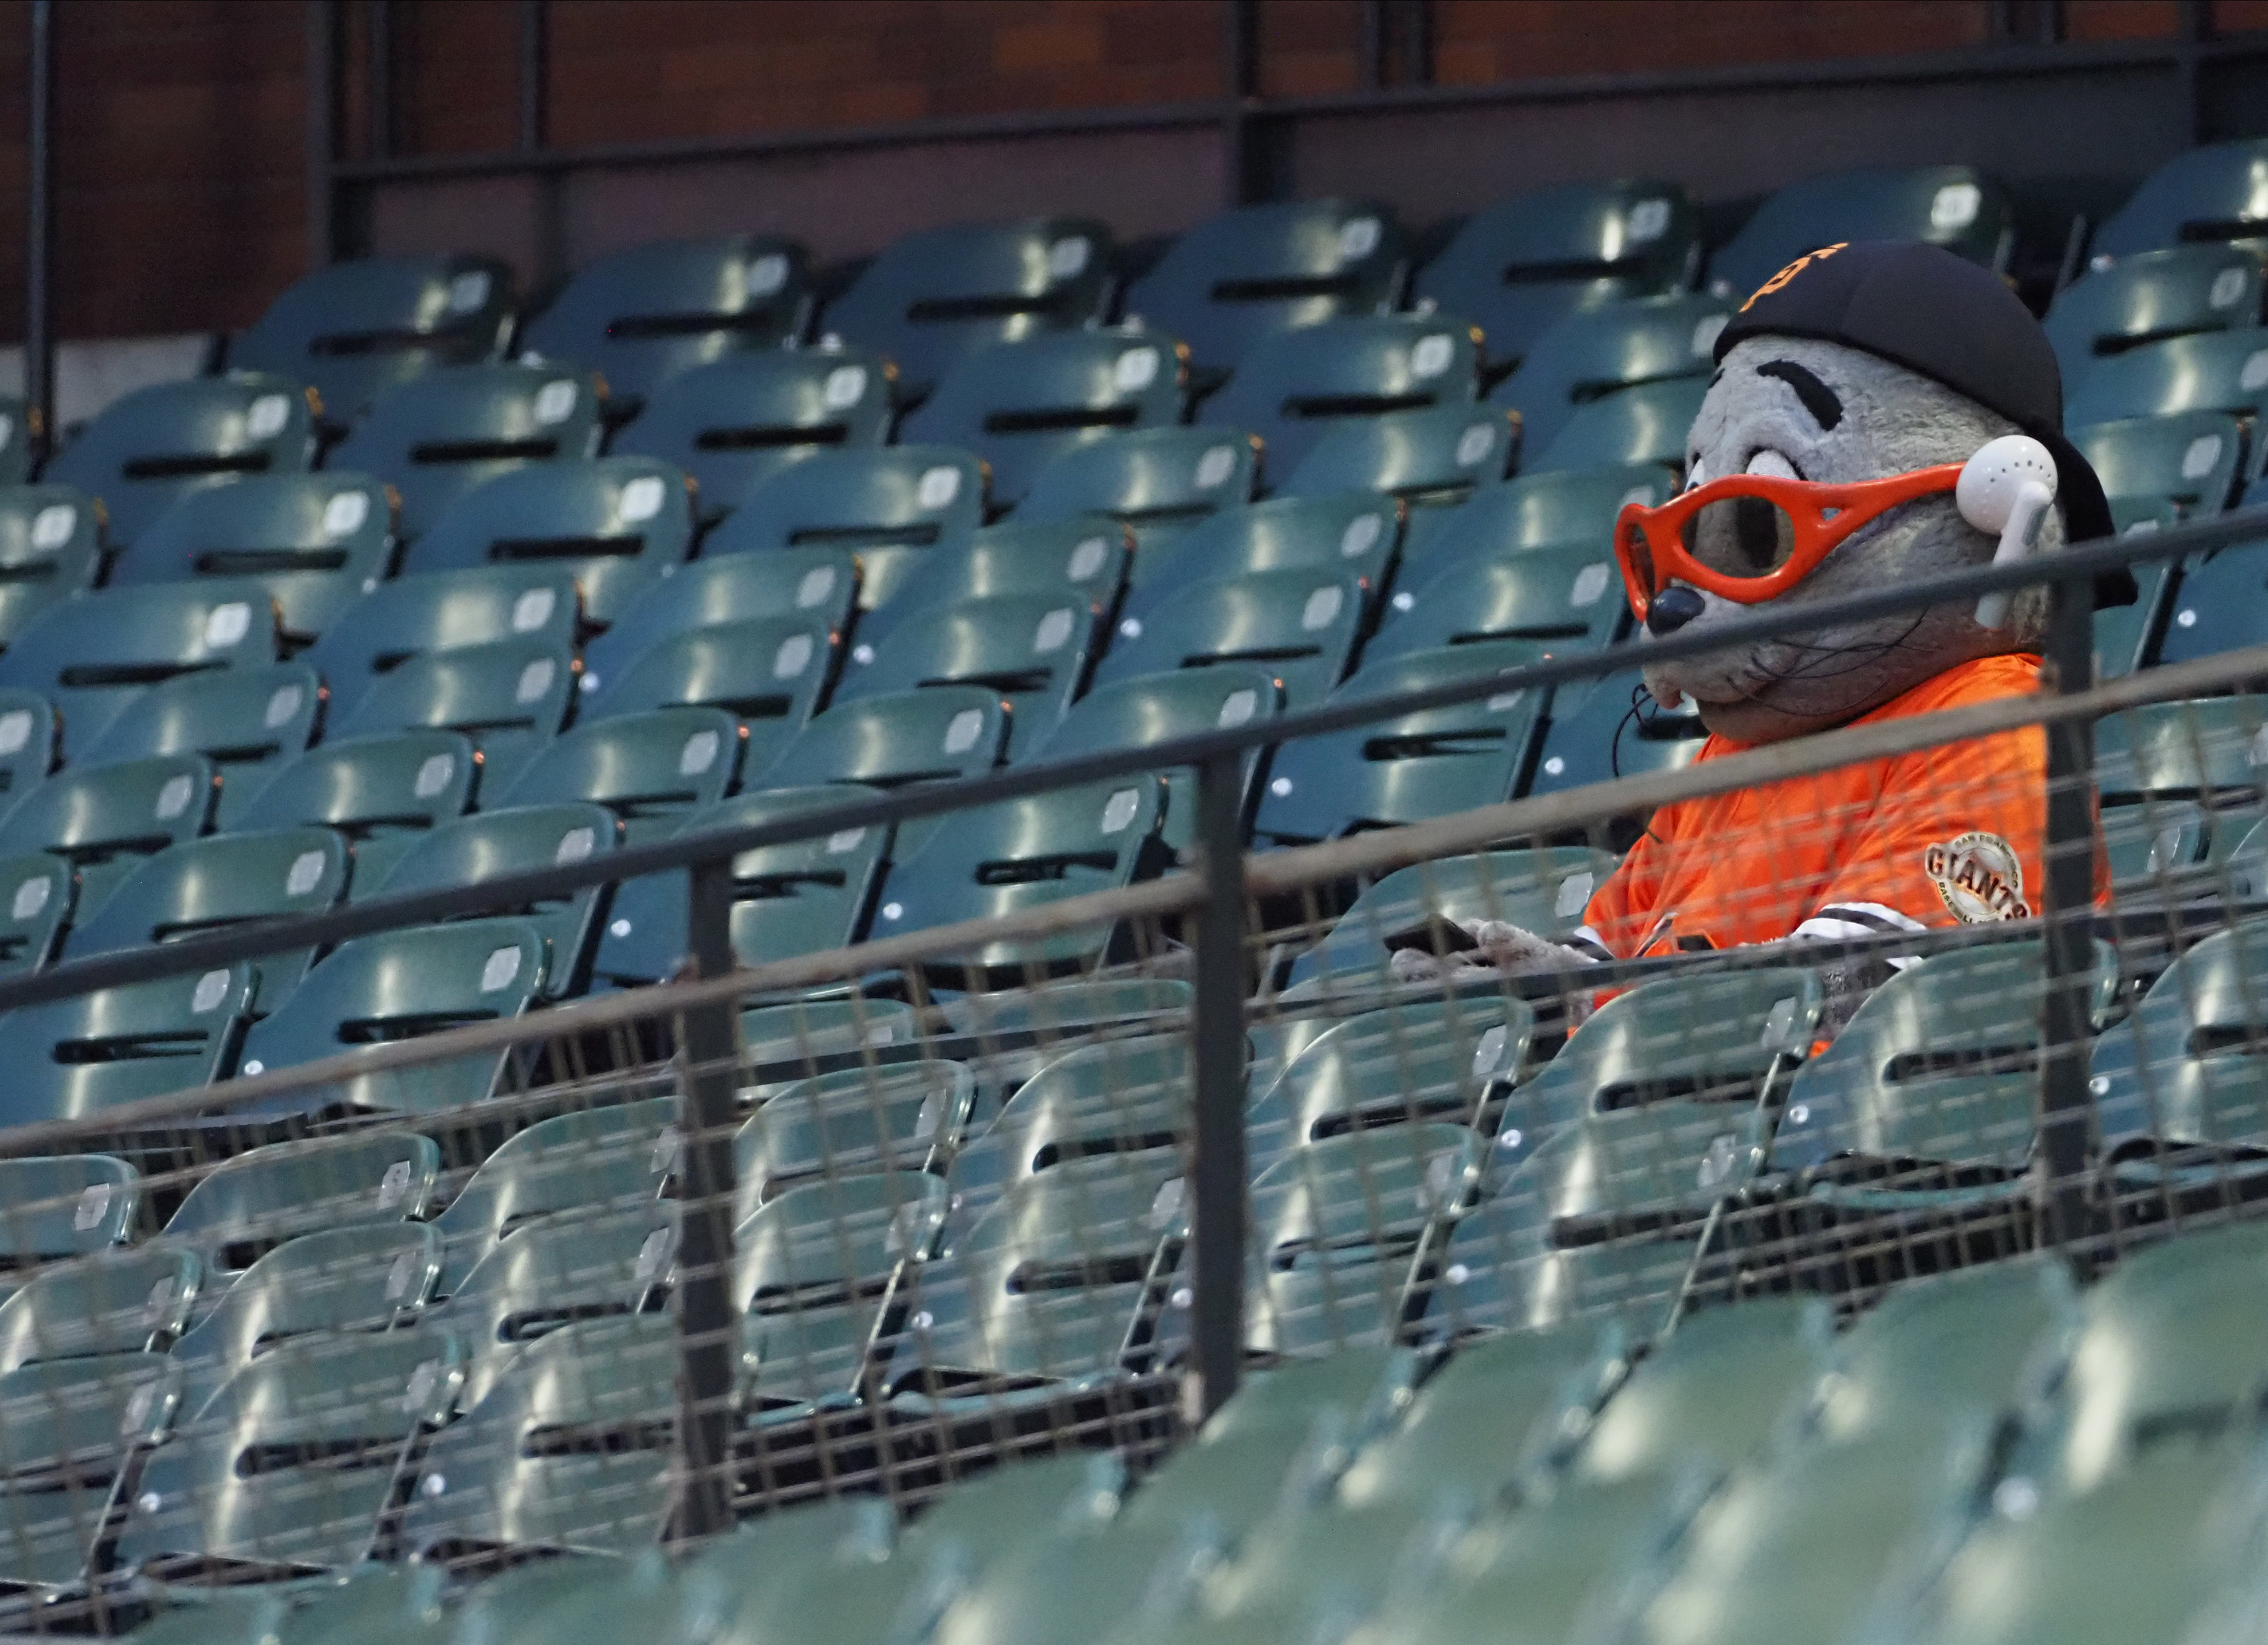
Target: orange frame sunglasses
{"x": 1650, "y": 542}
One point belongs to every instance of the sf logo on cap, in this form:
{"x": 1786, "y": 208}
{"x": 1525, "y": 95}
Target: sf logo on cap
{"x": 1792, "y": 270}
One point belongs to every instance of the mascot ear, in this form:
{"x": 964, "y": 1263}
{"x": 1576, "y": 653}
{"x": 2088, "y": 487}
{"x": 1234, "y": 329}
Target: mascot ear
{"x": 2005, "y": 490}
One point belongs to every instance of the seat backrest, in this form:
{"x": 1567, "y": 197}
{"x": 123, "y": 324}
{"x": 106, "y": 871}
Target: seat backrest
{"x": 1350, "y": 531}
{"x": 105, "y": 819}
{"x": 2190, "y": 459}
{"x": 1570, "y": 599}
{"x": 1570, "y": 507}
{"x": 768, "y": 671}
{"x": 249, "y": 722}
{"x": 1289, "y": 386}
{"x": 1115, "y": 1097}
{"x": 440, "y": 611}
{"x": 150, "y": 448}
{"x": 116, "y": 1301}
{"x": 371, "y": 789}
{"x": 2205, "y": 193}
{"x": 819, "y": 585}
{"x": 31, "y": 742}
{"x": 640, "y": 316}
{"x": 904, "y": 1117}
{"x": 37, "y": 895}
{"x": 929, "y": 735}
{"x": 1599, "y": 731}
{"x": 2205, "y": 370}
{"x": 79, "y": 1056}
{"x": 1596, "y": 351}
{"x": 1082, "y": 556}
{"x": 642, "y": 767}
{"x": 1434, "y": 456}
{"x": 50, "y": 548}
{"x": 733, "y": 424}
{"x": 1157, "y": 707}
{"x": 506, "y": 698}
{"x": 888, "y": 505}
{"x": 2206, "y": 748}
{"x": 2149, "y": 295}
{"x": 1302, "y": 623}
{"x": 15, "y": 447}
{"x": 436, "y": 437}
{"x": 1713, "y": 1388}
{"x": 1153, "y": 478}
{"x": 1032, "y": 649}
{"x": 2184, "y": 1066}
{"x": 614, "y": 524}
{"x": 250, "y": 1204}
{"x": 1957, "y": 207}
{"x": 1645, "y": 424}
{"x": 65, "y": 1205}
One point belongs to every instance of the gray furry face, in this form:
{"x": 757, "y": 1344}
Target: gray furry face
{"x": 1819, "y": 411}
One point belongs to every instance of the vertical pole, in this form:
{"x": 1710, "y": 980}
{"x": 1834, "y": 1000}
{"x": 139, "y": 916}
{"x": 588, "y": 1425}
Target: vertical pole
{"x": 2067, "y": 1106}
{"x": 378, "y": 18}
{"x": 1217, "y": 1055}
{"x": 707, "y": 1328}
{"x": 1240, "y": 157}
{"x": 534, "y": 133}
{"x": 322, "y": 131}
{"x": 39, "y": 238}
{"x": 1371, "y": 46}
{"x": 1417, "y": 42}
{"x": 2195, "y": 25}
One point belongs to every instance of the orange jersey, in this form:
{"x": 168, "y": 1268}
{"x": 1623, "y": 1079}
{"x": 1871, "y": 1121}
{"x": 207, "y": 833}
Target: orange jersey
{"x": 1942, "y": 835}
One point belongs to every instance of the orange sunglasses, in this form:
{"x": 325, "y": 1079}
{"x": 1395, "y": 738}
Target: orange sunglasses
{"x": 1779, "y": 529}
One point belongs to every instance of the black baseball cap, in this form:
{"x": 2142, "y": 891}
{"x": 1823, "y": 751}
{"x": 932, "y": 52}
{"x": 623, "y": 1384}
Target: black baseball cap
{"x": 1920, "y": 307}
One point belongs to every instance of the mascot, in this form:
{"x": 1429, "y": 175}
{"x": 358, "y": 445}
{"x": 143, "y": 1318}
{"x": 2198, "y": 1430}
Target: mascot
{"x": 1881, "y": 413}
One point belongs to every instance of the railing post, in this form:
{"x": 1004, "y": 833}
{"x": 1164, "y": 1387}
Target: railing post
{"x": 39, "y": 238}
{"x": 2067, "y": 899}
{"x": 1217, "y": 1054}
{"x": 707, "y": 1332}
{"x": 322, "y": 79}
{"x": 534, "y": 131}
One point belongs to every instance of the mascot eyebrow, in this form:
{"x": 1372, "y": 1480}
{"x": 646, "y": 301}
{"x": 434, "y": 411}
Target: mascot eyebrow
{"x": 1818, "y": 397}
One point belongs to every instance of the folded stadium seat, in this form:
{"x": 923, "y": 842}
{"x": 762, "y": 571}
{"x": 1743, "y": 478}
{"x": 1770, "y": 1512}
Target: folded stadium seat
{"x": 1520, "y": 266}
{"x": 1020, "y": 405}
{"x": 640, "y": 316}
{"x": 441, "y": 611}
{"x": 2206, "y": 371}
{"x": 151, "y": 448}
{"x": 1292, "y": 388}
{"x": 902, "y": 1120}
{"x": 77, "y": 1056}
{"x": 50, "y": 549}
{"x": 1157, "y": 480}
{"x": 2191, "y": 460}
{"x": 1250, "y": 273}
{"x": 736, "y": 424}
{"x": 1084, "y": 557}
{"x": 41, "y": 892}
{"x": 254, "y": 1202}
{"x": 2127, "y": 636}
{"x": 819, "y": 585}
{"x": 769, "y": 672}
{"x": 1032, "y": 649}
{"x": 803, "y": 1030}
{"x": 2207, "y": 192}
{"x": 649, "y": 770}
{"x": 112, "y": 1301}
{"x": 299, "y": 1408}
{"x": 1596, "y": 351}
{"x": 74, "y": 1427}
{"x": 2179, "y": 785}
{"x": 825, "y": 1570}
{"x": 929, "y": 300}
{"x": 436, "y": 436}
{"x": 1353, "y": 532}
{"x": 1574, "y": 506}
{"x": 1302, "y": 623}
{"x": 614, "y": 524}
{"x": 505, "y": 700}
{"x": 318, "y": 541}
{"x": 987, "y": 1517}
{"x": 1422, "y": 457}
{"x": 1643, "y": 423}
{"x": 2150, "y": 296}
{"x": 250, "y": 723}
{"x": 819, "y": 1274}
{"x": 31, "y": 742}
{"x": 92, "y": 656}
{"x": 1604, "y": 728}
{"x": 1567, "y": 599}
{"x": 1050, "y": 1591}
{"x": 889, "y": 506}
{"x": 1412, "y": 768}
{"x": 356, "y": 328}
{"x": 1957, "y": 207}
{"x": 384, "y": 793}
{"x": 2217, "y": 597}
{"x": 1019, "y": 854}
{"x": 936, "y": 734}
{"x": 105, "y": 821}
{"x": 15, "y": 448}
{"x": 69, "y": 1204}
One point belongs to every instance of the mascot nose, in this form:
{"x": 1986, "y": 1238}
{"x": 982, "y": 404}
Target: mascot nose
{"x": 1673, "y": 609}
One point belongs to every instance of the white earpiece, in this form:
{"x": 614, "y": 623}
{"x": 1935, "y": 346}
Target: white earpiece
{"x": 2007, "y": 487}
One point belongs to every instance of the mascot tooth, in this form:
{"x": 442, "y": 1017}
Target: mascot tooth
{"x": 1852, "y": 393}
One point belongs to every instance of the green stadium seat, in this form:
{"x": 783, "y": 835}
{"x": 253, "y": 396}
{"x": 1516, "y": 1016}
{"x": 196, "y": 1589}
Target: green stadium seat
{"x": 821, "y": 1571}
{"x": 1520, "y": 266}
{"x": 300, "y": 1408}
{"x": 2177, "y": 1085}
{"x": 931, "y": 299}
{"x": 77, "y": 1056}
{"x": 42, "y": 894}
{"x": 256, "y": 1201}
{"x": 116, "y": 1301}
{"x": 1085, "y": 557}
{"x": 1597, "y": 350}
{"x": 1568, "y": 600}
{"x": 886, "y": 505}
{"x": 2209, "y": 193}
{"x": 69, "y": 1205}
{"x": 1595, "y": 736}
{"x": 1050, "y": 1592}
{"x": 396, "y": 986}
{"x": 441, "y": 611}
{"x": 902, "y": 1120}
{"x": 383, "y": 793}
{"x": 1049, "y": 1014}
{"x": 642, "y": 315}
{"x": 614, "y": 524}
{"x": 1032, "y": 649}
{"x": 804, "y": 1031}
{"x": 2149, "y": 296}
{"x": 50, "y": 549}
{"x": 2191, "y": 459}
{"x": 1413, "y": 768}
{"x": 250, "y": 723}
{"x": 356, "y": 328}
{"x": 105, "y": 821}
{"x": 1574, "y": 507}
{"x": 1430, "y": 457}
{"x": 1712, "y": 1390}
{"x": 2216, "y": 601}
{"x": 15, "y": 447}
{"x": 1157, "y": 480}
{"x": 819, "y": 585}
{"x": 1646, "y": 422}
{"x": 1302, "y": 623}
{"x": 506, "y": 699}
{"x": 1020, "y": 405}
{"x": 738, "y": 421}
{"x": 1290, "y": 388}
{"x": 983, "y": 1519}
{"x": 2178, "y": 783}
{"x": 934, "y": 734}
{"x": 2127, "y": 636}
{"x": 318, "y": 541}
{"x": 803, "y": 897}
{"x": 1351, "y": 532}
{"x": 31, "y": 742}
{"x": 768, "y": 672}
{"x": 2206, "y": 371}
{"x": 436, "y": 436}
{"x": 92, "y": 656}
{"x": 647, "y": 769}
{"x": 151, "y": 448}
{"x": 1957, "y": 207}
{"x": 72, "y": 1428}
{"x": 1248, "y": 274}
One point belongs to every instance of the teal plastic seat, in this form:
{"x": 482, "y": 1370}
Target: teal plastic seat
{"x": 1084, "y": 557}
{"x": 1355, "y": 533}
{"x": 67, "y": 1205}
{"x": 114, "y": 1302}
{"x": 2215, "y": 602}
{"x": 71, "y": 1430}
{"x": 2191, "y": 460}
{"x": 256, "y": 1201}
{"x": 77, "y": 1056}
{"x": 1572, "y": 508}
{"x": 395, "y": 985}
{"x": 1419, "y": 766}
{"x": 1646, "y": 422}
{"x": 1287, "y": 389}
{"x": 355, "y": 329}
{"x": 442, "y": 611}
{"x": 813, "y": 585}
{"x": 250, "y": 723}
{"x": 90, "y": 657}
{"x": 768, "y": 672}
{"x": 1031, "y": 649}
{"x": 931, "y": 299}
{"x": 1433, "y": 457}
{"x": 888, "y": 505}
{"x": 15, "y": 447}
{"x": 1596, "y": 736}
{"x": 2209, "y": 192}
{"x": 31, "y": 742}
{"x": 1957, "y": 207}
{"x": 1157, "y": 480}
{"x": 50, "y": 548}
{"x": 149, "y": 449}
{"x": 2127, "y": 636}
{"x": 803, "y": 897}
{"x": 1522, "y": 264}
{"x": 1301, "y": 622}
{"x": 931, "y": 735}
{"x": 737, "y": 422}
{"x": 383, "y": 793}
{"x": 2150, "y": 295}
{"x": 1020, "y": 405}
{"x": 505, "y": 700}
{"x": 37, "y": 897}
{"x": 105, "y": 821}
{"x": 1559, "y": 600}
{"x": 2205, "y": 371}
{"x": 2178, "y": 786}
{"x": 642, "y": 315}
{"x": 436, "y": 436}
{"x": 1251, "y": 273}
{"x": 797, "y": 1033}
{"x": 1600, "y": 349}
{"x": 647, "y": 769}
{"x": 614, "y": 524}
{"x": 905, "y": 1119}
{"x": 2181, "y": 1080}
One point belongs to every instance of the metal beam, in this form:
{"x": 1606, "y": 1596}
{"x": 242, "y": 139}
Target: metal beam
{"x": 1240, "y": 159}
{"x": 38, "y": 237}
{"x": 378, "y": 78}
{"x": 2067, "y": 920}
{"x": 322, "y": 83}
{"x": 1217, "y": 1057}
